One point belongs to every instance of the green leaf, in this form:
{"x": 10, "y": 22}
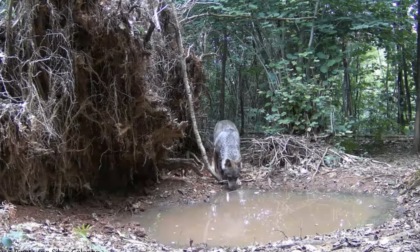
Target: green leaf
{"x": 324, "y": 69}
{"x": 305, "y": 54}
{"x": 291, "y": 56}
{"x": 6, "y": 242}
{"x": 253, "y": 6}
{"x": 284, "y": 121}
{"x": 321, "y": 55}
{"x": 331, "y": 62}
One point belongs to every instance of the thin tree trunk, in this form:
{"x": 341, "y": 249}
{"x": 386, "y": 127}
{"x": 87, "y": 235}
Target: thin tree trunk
{"x": 241, "y": 99}
{"x": 356, "y": 81}
{"x": 181, "y": 59}
{"x": 387, "y": 91}
{"x": 400, "y": 96}
{"x": 347, "y": 108}
{"x": 417, "y": 123}
{"x": 311, "y": 36}
{"x": 9, "y": 52}
{"x": 414, "y": 71}
{"x": 223, "y": 78}
{"x": 407, "y": 89}
{"x": 8, "y": 42}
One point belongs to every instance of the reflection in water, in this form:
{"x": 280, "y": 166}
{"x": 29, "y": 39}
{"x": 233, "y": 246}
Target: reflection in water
{"x": 244, "y": 217}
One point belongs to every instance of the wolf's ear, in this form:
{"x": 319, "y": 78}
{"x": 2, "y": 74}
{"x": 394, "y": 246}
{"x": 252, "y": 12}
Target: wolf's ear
{"x": 228, "y": 163}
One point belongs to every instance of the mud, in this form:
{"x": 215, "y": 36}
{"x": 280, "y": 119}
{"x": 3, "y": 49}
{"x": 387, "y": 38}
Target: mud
{"x": 390, "y": 175}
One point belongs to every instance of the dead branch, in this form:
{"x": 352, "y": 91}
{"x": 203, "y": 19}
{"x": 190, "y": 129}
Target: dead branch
{"x": 181, "y": 60}
{"x": 179, "y": 163}
{"x": 321, "y": 161}
{"x": 149, "y": 33}
{"x": 9, "y": 46}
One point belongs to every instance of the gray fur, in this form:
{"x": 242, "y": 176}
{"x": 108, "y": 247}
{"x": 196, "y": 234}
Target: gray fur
{"x": 227, "y": 153}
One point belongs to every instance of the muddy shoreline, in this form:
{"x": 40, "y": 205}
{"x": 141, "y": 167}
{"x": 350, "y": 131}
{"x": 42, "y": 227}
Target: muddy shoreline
{"x": 388, "y": 175}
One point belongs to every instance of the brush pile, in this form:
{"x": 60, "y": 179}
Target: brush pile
{"x": 296, "y": 153}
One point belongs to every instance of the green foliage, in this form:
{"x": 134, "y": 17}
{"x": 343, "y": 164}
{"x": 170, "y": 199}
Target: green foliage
{"x": 297, "y": 107}
{"x": 8, "y": 238}
{"x": 6, "y": 242}
{"x": 295, "y": 69}
{"x": 344, "y": 127}
{"x": 349, "y": 145}
{"x": 376, "y": 126}
{"x": 83, "y": 230}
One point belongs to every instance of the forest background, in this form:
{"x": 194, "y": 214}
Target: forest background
{"x": 345, "y": 67}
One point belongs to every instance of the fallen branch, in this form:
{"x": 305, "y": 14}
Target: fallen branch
{"x": 180, "y": 163}
{"x": 319, "y": 164}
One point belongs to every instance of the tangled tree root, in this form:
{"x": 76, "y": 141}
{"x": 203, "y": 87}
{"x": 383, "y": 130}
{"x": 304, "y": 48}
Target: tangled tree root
{"x": 90, "y": 96}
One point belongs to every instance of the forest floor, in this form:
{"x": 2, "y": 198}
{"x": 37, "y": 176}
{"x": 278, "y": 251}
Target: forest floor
{"x": 389, "y": 172}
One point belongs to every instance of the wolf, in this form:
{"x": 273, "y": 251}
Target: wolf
{"x": 227, "y": 153}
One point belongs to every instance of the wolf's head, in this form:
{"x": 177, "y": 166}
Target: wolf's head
{"x": 231, "y": 172}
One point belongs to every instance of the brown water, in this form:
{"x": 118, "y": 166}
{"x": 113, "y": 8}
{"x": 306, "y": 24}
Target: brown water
{"x": 245, "y": 217}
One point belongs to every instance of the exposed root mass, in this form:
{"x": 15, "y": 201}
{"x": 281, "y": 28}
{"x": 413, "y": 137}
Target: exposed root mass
{"x": 90, "y": 96}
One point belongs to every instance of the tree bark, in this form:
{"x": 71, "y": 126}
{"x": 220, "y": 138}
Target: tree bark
{"x": 309, "y": 62}
{"x": 241, "y": 99}
{"x": 417, "y": 123}
{"x": 357, "y": 84}
{"x": 387, "y": 92}
{"x": 181, "y": 59}
{"x": 8, "y": 42}
{"x": 400, "y": 105}
{"x": 223, "y": 78}
{"x": 311, "y": 36}
{"x": 9, "y": 63}
{"x": 347, "y": 107}
{"x": 406, "y": 87}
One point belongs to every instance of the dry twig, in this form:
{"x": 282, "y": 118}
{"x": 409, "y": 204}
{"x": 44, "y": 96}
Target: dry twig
{"x": 296, "y": 153}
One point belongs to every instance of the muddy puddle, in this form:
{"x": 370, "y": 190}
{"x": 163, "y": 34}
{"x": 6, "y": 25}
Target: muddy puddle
{"x": 245, "y": 217}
